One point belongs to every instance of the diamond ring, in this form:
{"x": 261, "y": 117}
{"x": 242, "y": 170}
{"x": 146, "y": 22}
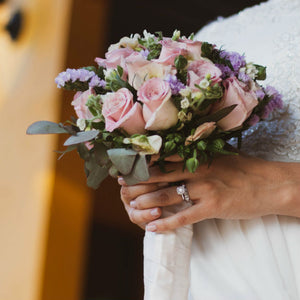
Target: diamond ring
{"x": 183, "y": 192}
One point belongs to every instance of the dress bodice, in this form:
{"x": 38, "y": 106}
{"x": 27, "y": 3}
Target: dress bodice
{"x": 268, "y": 34}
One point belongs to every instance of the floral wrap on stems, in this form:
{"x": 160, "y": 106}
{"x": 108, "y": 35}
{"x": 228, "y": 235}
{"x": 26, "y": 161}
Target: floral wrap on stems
{"x": 167, "y": 260}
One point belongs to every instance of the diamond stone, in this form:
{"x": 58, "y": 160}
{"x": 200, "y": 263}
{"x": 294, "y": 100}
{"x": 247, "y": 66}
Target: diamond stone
{"x": 180, "y": 190}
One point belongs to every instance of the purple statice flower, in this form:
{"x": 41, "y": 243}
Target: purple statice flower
{"x": 73, "y": 75}
{"x": 174, "y": 83}
{"x": 226, "y": 71}
{"x": 244, "y": 77}
{"x": 97, "y": 82}
{"x": 274, "y": 103}
{"x": 145, "y": 53}
{"x": 260, "y": 94}
{"x": 254, "y": 119}
{"x": 237, "y": 61}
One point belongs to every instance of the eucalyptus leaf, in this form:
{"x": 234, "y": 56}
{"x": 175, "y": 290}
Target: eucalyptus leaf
{"x": 122, "y": 159}
{"x": 81, "y": 137}
{"x": 140, "y": 171}
{"x": 96, "y": 174}
{"x": 69, "y": 149}
{"x": 101, "y": 156}
{"x": 45, "y": 127}
{"x": 83, "y": 152}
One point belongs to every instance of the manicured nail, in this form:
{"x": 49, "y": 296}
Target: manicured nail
{"x": 132, "y": 204}
{"x": 154, "y": 212}
{"x": 151, "y": 227}
{"x": 121, "y": 181}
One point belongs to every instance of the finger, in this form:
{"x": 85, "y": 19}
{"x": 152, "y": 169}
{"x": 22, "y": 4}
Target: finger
{"x": 141, "y": 217}
{"x": 158, "y": 198}
{"x": 174, "y": 172}
{"x": 129, "y": 193}
{"x": 190, "y": 215}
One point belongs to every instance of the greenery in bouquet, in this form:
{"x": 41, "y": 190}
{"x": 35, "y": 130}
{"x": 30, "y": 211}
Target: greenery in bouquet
{"x": 153, "y": 95}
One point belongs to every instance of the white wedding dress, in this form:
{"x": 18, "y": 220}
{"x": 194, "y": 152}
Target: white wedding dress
{"x": 257, "y": 259}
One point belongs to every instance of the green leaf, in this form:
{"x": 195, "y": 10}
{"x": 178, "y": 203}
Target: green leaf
{"x": 45, "y": 127}
{"x": 139, "y": 172}
{"x": 180, "y": 62}
{"x": 81, "y": 137}
{"x": 123, "y": 159}
{"x": 83, "y": 151}
{"x": 101, "y": 155}
{"x": 120, "y": 70}
{"x": 69, "y": 149}
{"x": 217, "y": 116}
{"x": 261, "y": 75}
{"x": 95, "y": 174}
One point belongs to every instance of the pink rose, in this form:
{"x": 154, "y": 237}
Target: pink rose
{"x": 140, "y": 69}
{"x": 119, "y": 111}
{"x": 202, "y": 132}
{"x": 115, "y": 58}
{"x": 197, "y": 71}
{"x": 158, "y": 110}
{"x": 236, "y": 92}
{"x": 193, "y": 48}
{"x": 79, "y": 102}
{"x": 170, "y": 50}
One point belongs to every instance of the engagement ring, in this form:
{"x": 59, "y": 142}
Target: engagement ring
{"x": 183, "y": 192}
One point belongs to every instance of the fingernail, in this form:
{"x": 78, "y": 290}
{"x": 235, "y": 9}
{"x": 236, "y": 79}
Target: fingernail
{"x": 151, "y": 227}
{"x": 154, "y": 212}
{"x": 132, "y": 204}
{"x": 121, "y": 181}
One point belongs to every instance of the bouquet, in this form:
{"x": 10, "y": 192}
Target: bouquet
{"x": 154, "y": 95}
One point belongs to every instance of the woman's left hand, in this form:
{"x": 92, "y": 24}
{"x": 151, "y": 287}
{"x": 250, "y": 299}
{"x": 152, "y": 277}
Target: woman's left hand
{"x": 233, "y": 187}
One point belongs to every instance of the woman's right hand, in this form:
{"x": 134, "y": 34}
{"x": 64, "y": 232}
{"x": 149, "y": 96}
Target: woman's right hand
{"x": 141, "y": 217}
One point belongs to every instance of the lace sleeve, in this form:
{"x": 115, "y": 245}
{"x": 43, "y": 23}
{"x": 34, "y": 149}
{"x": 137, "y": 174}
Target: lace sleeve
{"x": 271, "y": 37}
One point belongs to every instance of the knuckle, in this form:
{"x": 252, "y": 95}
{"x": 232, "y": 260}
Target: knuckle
{"x": 182, "y": 220}
{"x": 125, "y": 194}
{"x": 163, "y": 198}
{"x": 140, "y": 201}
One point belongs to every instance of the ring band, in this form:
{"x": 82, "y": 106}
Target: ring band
{"x": 183, "y": 192}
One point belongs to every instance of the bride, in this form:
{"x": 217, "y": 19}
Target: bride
{"x": 246, "y": 211}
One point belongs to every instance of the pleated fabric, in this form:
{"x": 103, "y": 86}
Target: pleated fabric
{"x": 250, "y": 259}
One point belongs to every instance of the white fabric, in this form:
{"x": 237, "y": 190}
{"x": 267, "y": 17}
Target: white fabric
{"x": 167, "y": 261}
{"x": 260, "y": 258}
{"x": 249, "y": 259}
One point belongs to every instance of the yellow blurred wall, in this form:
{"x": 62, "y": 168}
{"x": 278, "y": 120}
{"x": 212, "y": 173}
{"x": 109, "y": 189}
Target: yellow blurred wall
{"x": 28, "y": 93}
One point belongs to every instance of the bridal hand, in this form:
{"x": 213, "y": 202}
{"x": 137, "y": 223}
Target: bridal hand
{"x": 233, "y": 187}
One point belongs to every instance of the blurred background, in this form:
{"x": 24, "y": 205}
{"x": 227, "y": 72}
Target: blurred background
{"x": 60, "y": 240}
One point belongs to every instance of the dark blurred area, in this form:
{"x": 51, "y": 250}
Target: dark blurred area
{"x": 133, "y": 16}
{"x": 114, "y": 265}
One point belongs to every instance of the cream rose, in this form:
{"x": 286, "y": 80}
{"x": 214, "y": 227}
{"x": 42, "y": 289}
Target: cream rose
{"x": 158, "y": 110}
{"x": 140, "y": 70}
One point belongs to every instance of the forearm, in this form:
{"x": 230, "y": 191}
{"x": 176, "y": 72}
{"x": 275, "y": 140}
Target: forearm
{"x": 289, "y": 189}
